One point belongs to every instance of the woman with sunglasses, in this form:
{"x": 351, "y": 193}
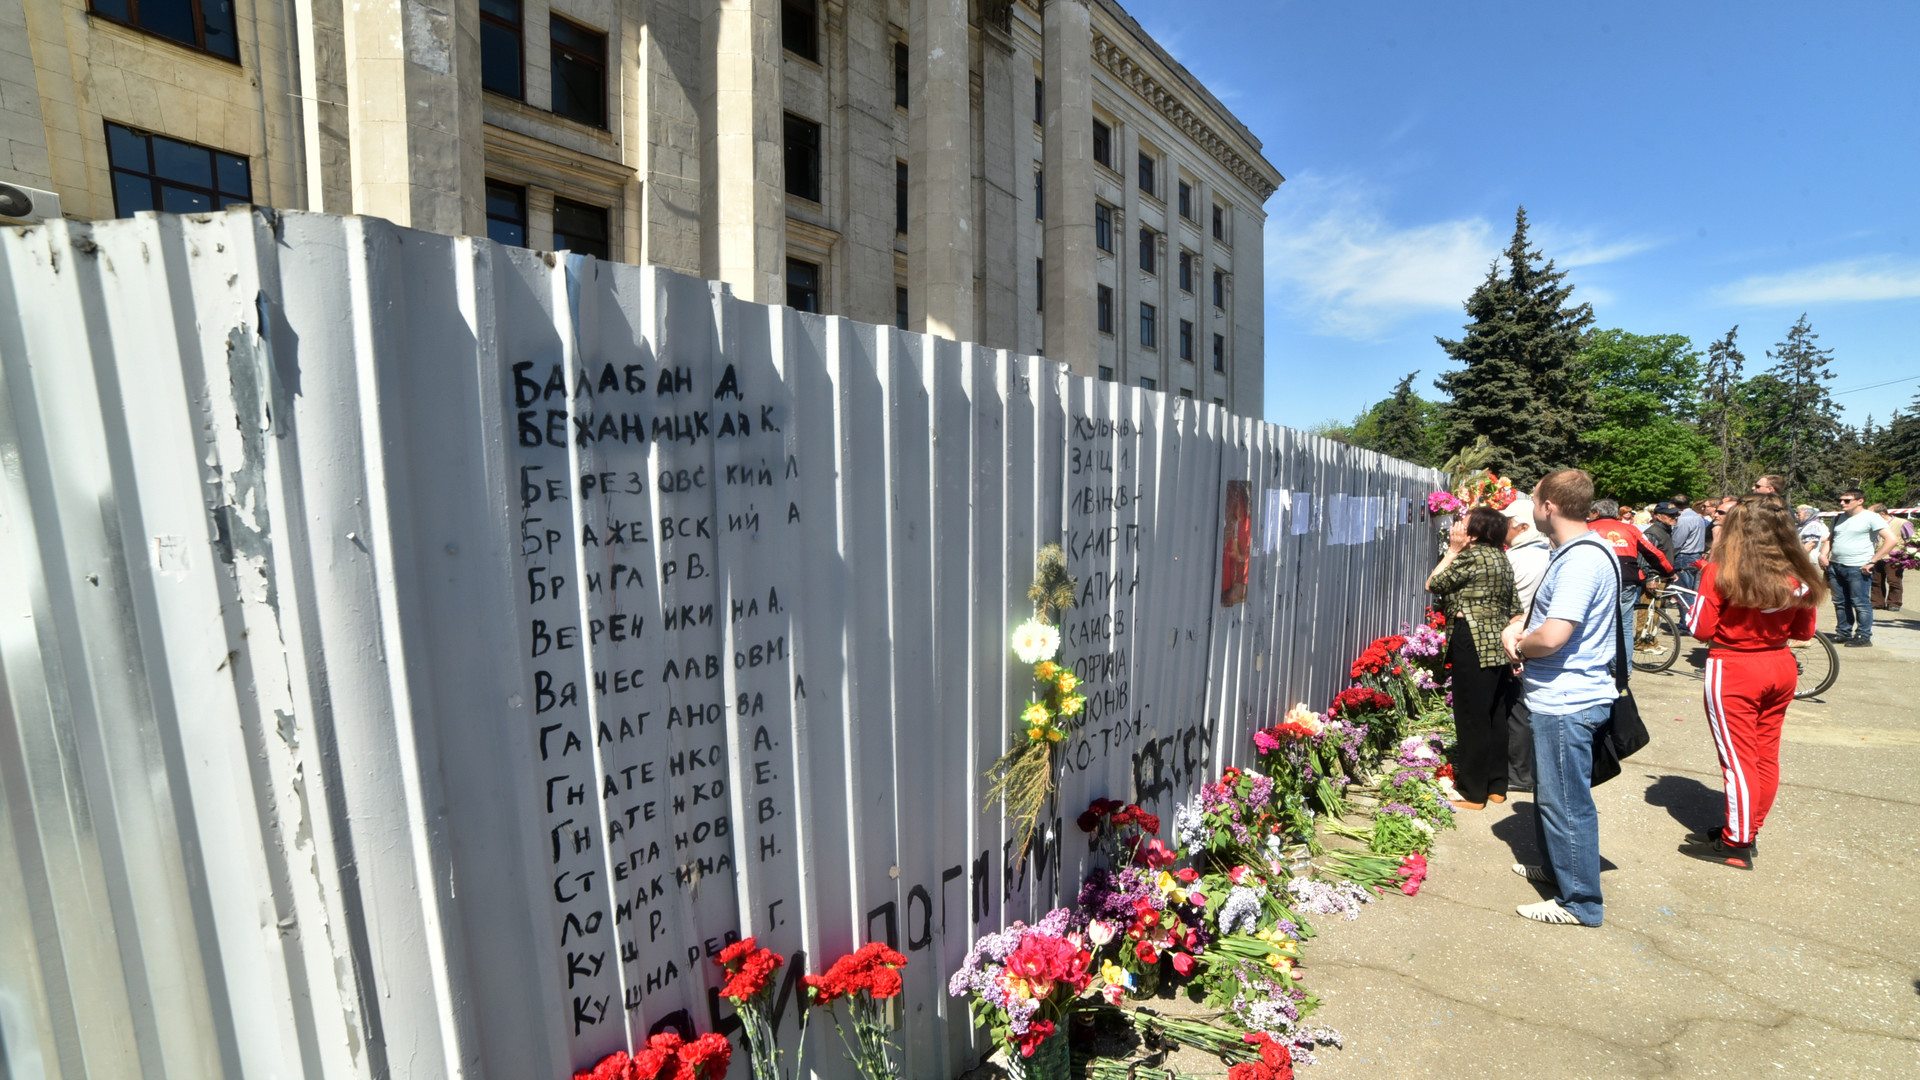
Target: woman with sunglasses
{"x": 1759, "y": 589}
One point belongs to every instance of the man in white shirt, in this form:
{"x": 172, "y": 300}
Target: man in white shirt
{"x": 1528, "y": 552}
{"x": 1813, "y": 531}
{"x": 1860, "y": 539}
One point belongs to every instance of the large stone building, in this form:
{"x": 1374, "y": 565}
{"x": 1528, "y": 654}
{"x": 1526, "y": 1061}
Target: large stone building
{"x": 1042, "y": 178}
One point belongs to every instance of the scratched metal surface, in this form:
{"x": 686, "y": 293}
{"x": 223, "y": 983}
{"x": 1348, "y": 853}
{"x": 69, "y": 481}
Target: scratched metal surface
{"x": 420, "y": 655}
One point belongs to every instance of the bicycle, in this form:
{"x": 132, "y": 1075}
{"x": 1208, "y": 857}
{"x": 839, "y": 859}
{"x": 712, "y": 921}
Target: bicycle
{"x": 1656, "y": 642}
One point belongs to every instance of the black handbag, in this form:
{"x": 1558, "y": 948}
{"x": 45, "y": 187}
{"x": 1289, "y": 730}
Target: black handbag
{"x": 1623, "y": 734}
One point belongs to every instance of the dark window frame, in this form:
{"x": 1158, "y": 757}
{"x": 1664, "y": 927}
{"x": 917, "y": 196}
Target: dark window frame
{"x": 900, "y": 308}
{"x": 1106, "y": 373}
{"x": 902, "y": 90}
{"x": 219, "y": 194}
{"x": 1149, "y": 174}
{"x": 1219, "y": 352}
{"x": 1186, "y": 340}
{"x": 1187, "y": 393}
{"x": 1149, "y": 326}
{"x": 1220, "y": 289}
{"x": 1039, "y": 195}
{"x": 1149, "y": 250}
{"x": 1102, "y": 144}
{"x": 1103, "y": 227}
{"x": 518, "y": 29}
{"x": 800, "y": 39}
{"x": 1103, "y": 308}
{"x": 1148, "y": 382}
{"x": 811, "y": 161}
{"x": 900, "y": 219}
{"x": 1039, "y": 100}
{"x": 812, "y": 287}
{"x": 1186, "y": 200}
{"x": 196, "y": 11}
{"x": 581, "y": 55}
{"x": 1186, "y": 271}
{"x": 605, "y": 240}
{"x": 518, "y": 192}
{"x": 1219, "y": 223}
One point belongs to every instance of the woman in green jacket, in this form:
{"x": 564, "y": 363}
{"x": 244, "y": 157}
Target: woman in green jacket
{"x": 1474, "y": 583}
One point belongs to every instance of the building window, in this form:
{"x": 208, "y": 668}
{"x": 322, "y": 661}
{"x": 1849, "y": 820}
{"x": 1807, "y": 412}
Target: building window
{"x": 1146, "y": 174}
{"x": 1039, "y": 101}
{"x": 1039, "y": 284}
{"x": 501, "y": 48}
{"x": 1186, "y": 200}
{"x": 153, "y": 172}
{"x": 901, "y": 99}
{"x": 579, "y": 73}
{"x": 799, "y": 28}
{"x": 1103, "y": 227}
{"x": 900, "y": 306}
{"x": 1147, "y": 245}
{"x": 507, "y": 214}
{"x": 1106, "y": 373}
{"x": 201, "y": 24}
{"x": 803, "y": 285}
{"x": 1149, "y": 327}
{"x": 1103, "y": 144}
{"x": 803, "y": 157}
{"x": 1186, "y": 271}
{"x": 1220, "y": 289}
{"x": 1147, "y": 383}
{"x": 1039, "y": 195}
{"x": 1186, "y": 393}
{"x": 1186, "y": 341}
{"x": 1219, "y": 353}
{"x": 1105, "y": 308}
{"x": 580, "y": 228}
{"x": 900, "y": 196}
{"x": 1220, "y": 223}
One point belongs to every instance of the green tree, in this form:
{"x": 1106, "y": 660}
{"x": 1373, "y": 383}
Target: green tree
{"x": 1721, "y": 415}
{"x": 1646, "y": 389}
{"x": 1899, "y": 443}
{"x": 1403, "y": 425}
{"x": 1520, "y": 385}
{"x": 1796, "y": 426}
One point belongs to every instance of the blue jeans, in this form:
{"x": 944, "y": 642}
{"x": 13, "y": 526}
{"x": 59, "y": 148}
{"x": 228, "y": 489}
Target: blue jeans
{"x": 1852, "y": 600}
{"x": 1687, "y": 576}
{"x": 1566, "y": 826}
{"x": 1629, "y": 596}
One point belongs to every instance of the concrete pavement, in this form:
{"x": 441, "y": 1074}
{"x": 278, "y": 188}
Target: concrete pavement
{"x": 1808, "y": 965}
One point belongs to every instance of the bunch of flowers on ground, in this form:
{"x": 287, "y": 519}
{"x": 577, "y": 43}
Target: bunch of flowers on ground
{"x": 666, "y": 1057}
{"x": 863, "y": 979}
{"x": 1020, "y": 982}
{"x": 1125, "y": 833}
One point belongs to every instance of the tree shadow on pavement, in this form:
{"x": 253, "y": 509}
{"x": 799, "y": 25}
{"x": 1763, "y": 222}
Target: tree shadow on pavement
{"x": 1690, "y": 802}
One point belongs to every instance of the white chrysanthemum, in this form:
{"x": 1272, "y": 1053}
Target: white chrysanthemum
{"x": 1034, "y": 641}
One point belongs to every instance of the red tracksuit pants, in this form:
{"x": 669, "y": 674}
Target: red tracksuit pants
{"x": 1747, "y": 698}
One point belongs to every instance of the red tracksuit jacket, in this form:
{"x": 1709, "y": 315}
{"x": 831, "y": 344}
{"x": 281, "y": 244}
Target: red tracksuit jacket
{"x": 1632, "y": 548}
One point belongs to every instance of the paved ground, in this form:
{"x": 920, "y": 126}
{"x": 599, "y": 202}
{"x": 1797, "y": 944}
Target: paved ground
{"x": 1809, "y": 965}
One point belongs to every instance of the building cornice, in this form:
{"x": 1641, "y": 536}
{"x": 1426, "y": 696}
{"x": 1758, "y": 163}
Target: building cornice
{"x": 1255, "y": 172}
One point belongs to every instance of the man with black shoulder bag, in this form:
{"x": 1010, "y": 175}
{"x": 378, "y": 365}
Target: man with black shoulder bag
{"x": 1568, "y": 644}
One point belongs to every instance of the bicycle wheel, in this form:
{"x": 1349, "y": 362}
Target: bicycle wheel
{"x": 1656, "y": 641}
{"x": 1819, "y": 665}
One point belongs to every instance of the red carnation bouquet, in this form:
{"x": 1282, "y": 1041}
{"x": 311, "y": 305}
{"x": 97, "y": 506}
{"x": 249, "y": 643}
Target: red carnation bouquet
{"x": 865, "y": 979}
{"x": 749, "y": 970}
{"x": 1275, "y": 1061}
{"x": 1125, "y": 833}
{"x": 666, "y": 1057}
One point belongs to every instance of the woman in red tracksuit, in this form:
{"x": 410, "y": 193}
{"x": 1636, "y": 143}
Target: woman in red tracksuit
{"x": 1758, "y": 590}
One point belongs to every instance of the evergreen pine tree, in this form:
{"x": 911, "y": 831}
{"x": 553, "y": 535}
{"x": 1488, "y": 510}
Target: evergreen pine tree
{"x": 1804, "y": 423}
{"x": 1720, "y": 409}
{"x": 1522, "y": 386}
{"x": 1401, "y": 425}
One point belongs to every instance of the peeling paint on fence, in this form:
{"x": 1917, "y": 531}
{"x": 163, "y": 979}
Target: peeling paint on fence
{"x": 422, "y": 656}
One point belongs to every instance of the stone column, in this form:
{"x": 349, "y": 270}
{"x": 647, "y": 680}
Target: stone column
{"x": 743, "y": 194}
{"x": 1003, "y": 112}
{"x": 1067, "y": 55}
{"x": 940, "y": 241}
{"x": 413, "y": 114}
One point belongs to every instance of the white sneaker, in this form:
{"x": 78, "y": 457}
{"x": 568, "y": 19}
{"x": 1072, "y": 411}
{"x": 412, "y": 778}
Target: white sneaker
{"x": 1534, "y": 873}
{"x": 1548, "y": 911}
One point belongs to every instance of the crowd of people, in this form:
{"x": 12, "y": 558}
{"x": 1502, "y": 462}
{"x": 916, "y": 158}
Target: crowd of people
{"x": 1540, "y": 600}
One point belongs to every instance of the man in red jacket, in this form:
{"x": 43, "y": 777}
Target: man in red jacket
{"x": 1635, "y": 552}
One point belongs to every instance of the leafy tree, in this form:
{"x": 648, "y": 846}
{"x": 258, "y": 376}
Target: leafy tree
{"x": 1721, "y": 415}
{"x": 1404, "y": 425}
{"x": 1521, "y": 384}
{"x": 1646, "y": 390}
{"x": 1797, "y": 426}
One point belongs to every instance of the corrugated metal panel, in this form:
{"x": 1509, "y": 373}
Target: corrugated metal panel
{"x": 421, "y": 656}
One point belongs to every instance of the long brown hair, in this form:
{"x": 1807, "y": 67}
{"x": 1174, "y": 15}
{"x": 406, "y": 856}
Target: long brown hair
{"x": 1759, "y": 552}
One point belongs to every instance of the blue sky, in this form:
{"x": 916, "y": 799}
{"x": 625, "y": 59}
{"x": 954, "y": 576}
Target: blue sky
{"x": 1695, "y": 165}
